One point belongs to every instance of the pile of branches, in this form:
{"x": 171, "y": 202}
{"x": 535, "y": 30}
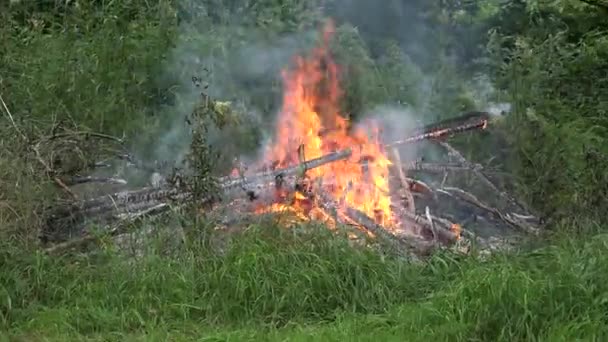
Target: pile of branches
{"x": 68, "y": 224}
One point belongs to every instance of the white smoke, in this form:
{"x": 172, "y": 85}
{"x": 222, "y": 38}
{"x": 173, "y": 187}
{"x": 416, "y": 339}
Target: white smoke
{"x": 234, "y": 64}
{"x": 396, "y": 123}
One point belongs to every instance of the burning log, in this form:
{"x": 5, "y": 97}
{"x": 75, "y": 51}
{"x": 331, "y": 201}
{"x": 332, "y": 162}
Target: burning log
{"x": 230, "y": 183}
{"x": 107, "y": 207}
{"x": 468, "y": 122}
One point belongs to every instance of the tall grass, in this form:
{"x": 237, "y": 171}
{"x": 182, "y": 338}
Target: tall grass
{"x": 311, "y": 284}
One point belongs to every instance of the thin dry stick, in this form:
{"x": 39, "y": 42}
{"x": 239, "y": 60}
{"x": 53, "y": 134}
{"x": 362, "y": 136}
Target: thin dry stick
{"x": 86, "y": 134}
{"x": 405, "y": 185}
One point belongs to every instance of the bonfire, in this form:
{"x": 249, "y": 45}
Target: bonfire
{"x": 320, "y": 166}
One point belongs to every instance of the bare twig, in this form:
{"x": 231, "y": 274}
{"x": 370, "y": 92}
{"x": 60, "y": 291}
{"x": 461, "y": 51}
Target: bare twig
{"x": 11, "y": 119}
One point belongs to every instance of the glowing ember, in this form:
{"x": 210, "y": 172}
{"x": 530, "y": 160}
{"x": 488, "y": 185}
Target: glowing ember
{"x": 310, "y": 117}
{"x": 456, "y": 229}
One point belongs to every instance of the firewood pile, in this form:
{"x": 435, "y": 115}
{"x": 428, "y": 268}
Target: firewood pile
{"x": 417, "y": 226}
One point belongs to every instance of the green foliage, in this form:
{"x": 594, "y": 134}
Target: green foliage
{"x": 93, "y": 65}
{"x": 557, "y": 85}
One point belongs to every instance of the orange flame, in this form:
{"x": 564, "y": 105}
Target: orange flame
{"x": 310, "y": 117}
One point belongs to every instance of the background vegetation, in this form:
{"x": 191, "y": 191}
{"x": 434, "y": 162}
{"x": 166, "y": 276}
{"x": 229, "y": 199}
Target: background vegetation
{"x": 126, "y": 67}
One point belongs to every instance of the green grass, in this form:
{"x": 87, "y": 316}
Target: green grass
{"x": 272, "y": 284}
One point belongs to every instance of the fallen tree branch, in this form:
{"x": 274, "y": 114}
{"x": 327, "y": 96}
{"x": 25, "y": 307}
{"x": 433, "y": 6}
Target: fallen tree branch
{"x": 113, "y": 232}
{"x": 91, "y": 179}
{"x": 438, "y": 167}
{"x": 479, "y": 173}
{"x": 467, "y": 122}
{"x": 470, "y": 198}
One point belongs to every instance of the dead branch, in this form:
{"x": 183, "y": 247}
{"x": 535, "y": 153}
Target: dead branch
{"x": 467, "y": 122}
{"x": 116, "y": 230}
{"x": 470, "y": 198}
{"x": 90, "y": 179}
{"x": 438, "y": 167}
{"x": 479, "y": 173}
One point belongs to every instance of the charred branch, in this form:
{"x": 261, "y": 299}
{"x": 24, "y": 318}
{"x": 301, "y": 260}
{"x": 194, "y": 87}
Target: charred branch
{"x": 468, "y": 122}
